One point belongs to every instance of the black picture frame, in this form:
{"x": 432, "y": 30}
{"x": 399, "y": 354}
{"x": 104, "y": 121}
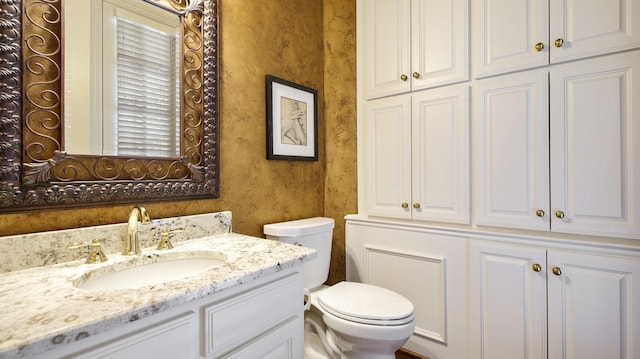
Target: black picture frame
{"x": 292, "y": 121}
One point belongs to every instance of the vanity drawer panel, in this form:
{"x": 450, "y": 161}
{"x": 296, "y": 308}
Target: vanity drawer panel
{"x": 175, "y": 337}
{"x": 230, "y": 323}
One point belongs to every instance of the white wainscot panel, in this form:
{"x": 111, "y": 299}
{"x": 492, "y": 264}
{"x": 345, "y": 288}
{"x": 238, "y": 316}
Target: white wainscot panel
{"x": 423, "y": 281}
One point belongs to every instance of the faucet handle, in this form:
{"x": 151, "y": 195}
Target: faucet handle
{"x": 165, "y": 243}
{"x": 146, "y": 218}
{"x": 95, "y": 255}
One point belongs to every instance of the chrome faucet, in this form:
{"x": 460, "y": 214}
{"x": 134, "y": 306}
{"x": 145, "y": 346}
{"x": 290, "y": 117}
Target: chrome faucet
{"x": 131, "y": 243}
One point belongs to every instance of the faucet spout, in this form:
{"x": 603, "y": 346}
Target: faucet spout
{"x": 131, "y": 242}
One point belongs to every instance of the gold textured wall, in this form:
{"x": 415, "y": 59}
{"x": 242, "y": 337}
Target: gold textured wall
{"x": 298, "y": 40}
{"x": 340, "y": 189}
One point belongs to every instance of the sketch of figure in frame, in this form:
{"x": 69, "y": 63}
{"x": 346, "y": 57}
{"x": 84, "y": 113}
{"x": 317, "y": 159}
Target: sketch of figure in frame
{"x": 293, "y": 122}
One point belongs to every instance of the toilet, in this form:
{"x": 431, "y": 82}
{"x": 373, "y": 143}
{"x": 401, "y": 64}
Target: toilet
{"x": 348, "y": 320}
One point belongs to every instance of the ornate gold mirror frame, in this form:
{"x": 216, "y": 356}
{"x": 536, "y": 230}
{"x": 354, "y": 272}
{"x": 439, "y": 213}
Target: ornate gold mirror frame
{"x": 35, "y": 172}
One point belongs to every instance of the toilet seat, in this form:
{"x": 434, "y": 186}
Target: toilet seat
{"x": 365, "y": 304}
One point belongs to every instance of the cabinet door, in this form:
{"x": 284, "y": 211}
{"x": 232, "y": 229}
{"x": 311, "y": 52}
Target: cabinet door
{"x": 593, "y": 306}
{"x": 232, "y": 322}
{"x": 386, "y": 47}
{"x": 387, "y": 158}
{"x": 440, "y": 42}
{"x": 595, "y": 142}
{"x": 440, "y": 156}
{"x": 508, "y": 306}
{"x": 283, "y": 342}
{"x": 506, "y": 33}
{"x": 510, "y": 135}
{"x": 588, "y": 28}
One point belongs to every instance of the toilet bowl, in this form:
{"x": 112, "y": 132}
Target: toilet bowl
{"x": 364, "y": 321}
{"x": 348, "y": 320}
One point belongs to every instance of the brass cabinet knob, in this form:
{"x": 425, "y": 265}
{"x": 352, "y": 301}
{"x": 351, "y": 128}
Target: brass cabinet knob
{"x": 416, "y": 75}
{"x": 405, "y": 205}
{"x": 558, "y": 42}
{"x": 556, "y": 270}
{"x": 416, "y": 205}
{"x": 403, "y": 77}
{"x": 539, "y": 46}
{"x": 536, "y": 267}
{"x": 559, "y": 214}
{"x": 540, "y": 213}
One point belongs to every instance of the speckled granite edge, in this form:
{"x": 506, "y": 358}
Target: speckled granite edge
{"x": 47, "y": 248}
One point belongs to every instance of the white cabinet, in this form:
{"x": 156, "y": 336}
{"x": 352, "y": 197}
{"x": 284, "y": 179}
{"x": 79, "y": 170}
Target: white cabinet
{"x": 169, "y": 336}
{"x": 229, "y": 323}
{"x": 535, "y": 303}
{"x": 262, "y": 319}
{"x": 387, "y": 156}
{"x": 408, "y": 45}
{"x": 417, "y": 155}
{"x": 556, "y": 149}
{"x": 508, "y": 317}
{"x": 593, "y": 308}
{"x": 283, "y": 342}
{"x": 511, "y": 150}
{"x": 556, "y": 144}
{"x": 428, "y": 268}
{"x": 416, "y": 141}
{"x": 505, "y": 33}
{"x": 512, "y": 35}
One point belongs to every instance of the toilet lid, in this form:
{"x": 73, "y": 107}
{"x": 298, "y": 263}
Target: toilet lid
{"x": 365, "y": 303}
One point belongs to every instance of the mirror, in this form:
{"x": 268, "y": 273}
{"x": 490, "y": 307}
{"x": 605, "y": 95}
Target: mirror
{"x": 37, "y": 171}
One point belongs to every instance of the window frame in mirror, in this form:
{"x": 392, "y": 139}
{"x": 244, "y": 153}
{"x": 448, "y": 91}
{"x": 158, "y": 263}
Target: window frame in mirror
{"x": 35, "y": 172}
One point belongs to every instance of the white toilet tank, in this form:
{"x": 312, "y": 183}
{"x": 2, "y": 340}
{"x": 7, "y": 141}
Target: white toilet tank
{"x": 316, "y": 233}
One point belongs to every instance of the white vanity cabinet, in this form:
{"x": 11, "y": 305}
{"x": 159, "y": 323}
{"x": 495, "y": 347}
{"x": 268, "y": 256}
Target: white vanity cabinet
{"x": 409, "y": 45}
{"x": 257, "y": 315}
{"x": 259, "y": 319}
{"x": 173, "y": 334}
{"x": 535, "y": 302}
{"x": 416, "y": 155}
{"x": 512, "y": 35}
{"x": 556, "y": 149}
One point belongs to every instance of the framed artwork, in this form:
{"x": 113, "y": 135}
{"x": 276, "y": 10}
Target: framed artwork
{"x": 292, "y": 121}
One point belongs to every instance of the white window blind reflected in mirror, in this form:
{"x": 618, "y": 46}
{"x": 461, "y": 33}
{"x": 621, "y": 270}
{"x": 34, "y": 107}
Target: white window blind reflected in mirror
{"x": 147, "y": 119}
{"x": 141, "y": 81}
{"x": 122, "y": 80}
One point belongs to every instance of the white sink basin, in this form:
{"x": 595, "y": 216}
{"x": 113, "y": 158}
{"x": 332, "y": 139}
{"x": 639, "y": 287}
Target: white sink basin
{"x": 163, "y": 268}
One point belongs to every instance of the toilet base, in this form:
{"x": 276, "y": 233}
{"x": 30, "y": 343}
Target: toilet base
{"x": 313, "y": 347}
{"x": 316, "y": 345}
{"x": 370, "y": 350}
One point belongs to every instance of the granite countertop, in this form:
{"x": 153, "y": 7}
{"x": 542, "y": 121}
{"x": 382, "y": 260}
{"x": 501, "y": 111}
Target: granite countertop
{"x": 41, "y": 308}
